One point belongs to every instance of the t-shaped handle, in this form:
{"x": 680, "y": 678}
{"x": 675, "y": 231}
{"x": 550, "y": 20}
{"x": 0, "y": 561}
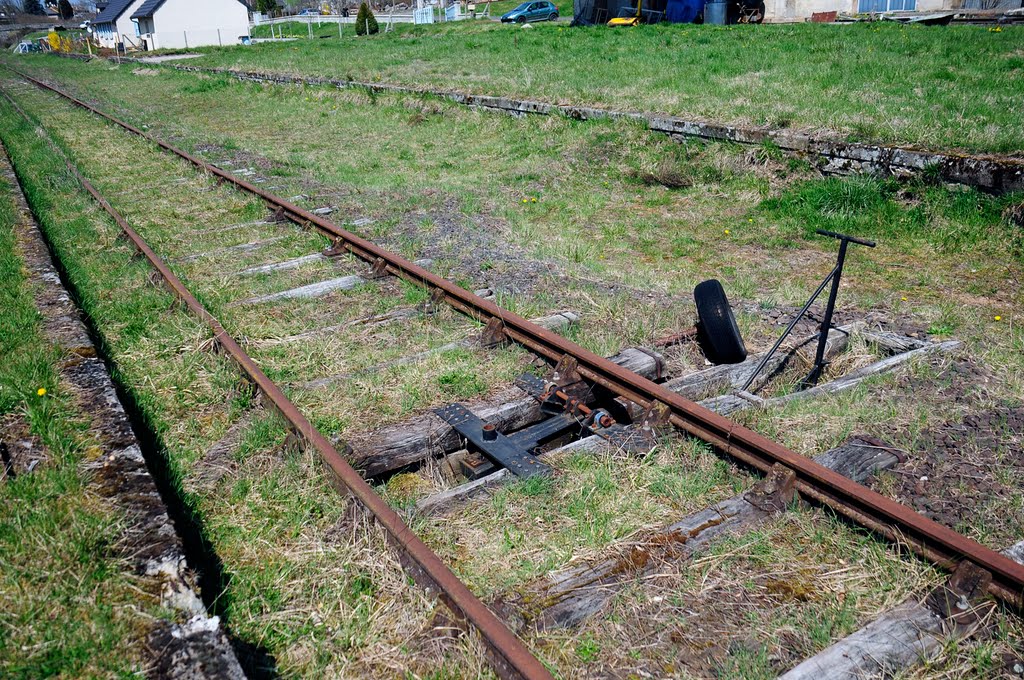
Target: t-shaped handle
{"x": 844, "y": 237}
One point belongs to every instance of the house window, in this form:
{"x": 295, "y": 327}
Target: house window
{"x": 136, "y": 24}
{"x": 886, "y": 5}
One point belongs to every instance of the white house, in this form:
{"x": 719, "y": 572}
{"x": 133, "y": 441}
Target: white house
{"x": 801, "y": 10}
{"x": 114, "y": 24}
{"x": 165, "y": 24}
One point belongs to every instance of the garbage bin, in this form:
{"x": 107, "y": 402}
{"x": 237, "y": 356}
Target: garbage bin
{"x": 715, "y": 13}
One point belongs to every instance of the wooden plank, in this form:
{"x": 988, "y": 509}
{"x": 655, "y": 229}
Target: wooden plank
{"x": 428, "y": 436}
{"x": 718, "y": 379}
{"x": 318, "y": 289}
{"x": 731, "y": 403}
{"x": 566, "y": 598}
{"x": 894, "y": 342}
{"x": 240, "y": 248}
{"x": 445, "y": 499}
{"x": 293, "y": 263}
{"x": 896, "y": 641}
{"x": 400, "y": 314}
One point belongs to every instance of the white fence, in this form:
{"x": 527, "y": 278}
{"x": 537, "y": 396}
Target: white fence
{"x": 452, "y": 12}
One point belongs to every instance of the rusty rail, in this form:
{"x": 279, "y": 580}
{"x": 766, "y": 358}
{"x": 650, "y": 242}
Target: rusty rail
{"x": 510, "y": 657}
{"x": 891, "y": 519}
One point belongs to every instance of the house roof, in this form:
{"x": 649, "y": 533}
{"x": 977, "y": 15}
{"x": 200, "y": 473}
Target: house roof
{"x": 113, "y": 11}
{"x": 151, "y": 6}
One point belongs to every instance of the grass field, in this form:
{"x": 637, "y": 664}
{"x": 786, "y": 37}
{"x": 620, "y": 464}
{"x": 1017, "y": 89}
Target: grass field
{"x": 624, "y": 223}
{"x": 952, "y": 88}
{"x": 69, "y": 605}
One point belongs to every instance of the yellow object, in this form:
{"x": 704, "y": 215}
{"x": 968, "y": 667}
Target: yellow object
{"x": 628, "y": 21}
{"x": 999, "y": 318}
{"x": 41, "y": 391}
{"x": 58, "y": 43}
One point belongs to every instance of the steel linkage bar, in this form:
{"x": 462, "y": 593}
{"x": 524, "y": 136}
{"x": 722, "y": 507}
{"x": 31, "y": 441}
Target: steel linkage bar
{"x": 509, "y": 656}
{"x": 862, "y": 505}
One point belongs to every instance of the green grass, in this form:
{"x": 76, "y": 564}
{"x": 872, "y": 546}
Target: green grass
{"x": 68, "y": 605}
{"x": 954, "y": 88}
{"x": 604, "y": 217}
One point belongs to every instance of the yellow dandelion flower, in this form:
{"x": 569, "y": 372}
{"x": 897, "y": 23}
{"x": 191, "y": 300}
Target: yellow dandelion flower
{"x": 726, "y": 232}
{"x": 903, "y": 298}
{"x": 998, "y": 318}
{"x": 41, "y": 391}
{"x": 533, "y": 200}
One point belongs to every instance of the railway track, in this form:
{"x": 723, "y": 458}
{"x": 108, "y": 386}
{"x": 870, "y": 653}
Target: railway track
{"x": 987, "y": 172}
{"x": 626, "y": 380}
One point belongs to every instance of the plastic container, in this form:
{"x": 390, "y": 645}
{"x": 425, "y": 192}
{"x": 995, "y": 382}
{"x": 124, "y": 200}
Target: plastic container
{"x": 715, "y": 13}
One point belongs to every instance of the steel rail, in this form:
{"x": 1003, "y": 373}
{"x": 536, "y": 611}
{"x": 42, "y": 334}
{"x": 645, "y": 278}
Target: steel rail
{"x": 509, "y": 655}
{"x": 868, "y": 508}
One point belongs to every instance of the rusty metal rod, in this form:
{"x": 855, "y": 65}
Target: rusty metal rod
{"x": 855, "y": 501}
{"x": 510, "y": 657}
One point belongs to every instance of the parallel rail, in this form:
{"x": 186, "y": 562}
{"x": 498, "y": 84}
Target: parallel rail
{"x": 510, "y": 657}
{"x": 891, "y": 519}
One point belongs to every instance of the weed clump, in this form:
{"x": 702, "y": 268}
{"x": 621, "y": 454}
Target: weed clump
{"x": 667, "y": 174}
{"x": 366, "y": 23}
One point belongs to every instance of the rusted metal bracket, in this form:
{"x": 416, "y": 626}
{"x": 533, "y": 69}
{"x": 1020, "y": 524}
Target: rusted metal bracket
{"x": 565, "y": 371}
{"x": 336, "y": 248}
{"x": 277, "y": 216}
{"x": 378, "y": 270}
{"x": 492, "y": 334}
{"x": 655, "y": 417}
{"x": 964, "y": 597}
{"x": 775, "y": 492}
{"x": 431, "y": 305}
{"x": 659, "y": 362}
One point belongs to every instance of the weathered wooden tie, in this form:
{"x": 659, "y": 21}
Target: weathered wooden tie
{"x": 566, "y": 598}
{"x": 429, "y": 436}
{"x": 319, "y": 289}
{"x": 910, "y": 633}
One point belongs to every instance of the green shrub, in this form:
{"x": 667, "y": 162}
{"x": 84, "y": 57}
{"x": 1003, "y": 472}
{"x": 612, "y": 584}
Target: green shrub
{"x": 366, "y": 23}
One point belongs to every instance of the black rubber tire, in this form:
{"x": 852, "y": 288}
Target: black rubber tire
{"x": 717, "y": 331}
{"x": 520, "y": 20}
{"x": 553, "y": 17}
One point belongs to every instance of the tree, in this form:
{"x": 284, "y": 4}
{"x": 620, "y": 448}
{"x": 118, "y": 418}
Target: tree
{"x": 65, "y": 10}
{"x": 366, "y": 23}
{"x": 266, "y": 6}
{"x": 33, "y": 7}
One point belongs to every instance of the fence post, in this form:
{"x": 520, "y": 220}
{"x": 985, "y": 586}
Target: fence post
{"x": 219, "y": 41}
{"x": 185, "y": 33}
{"x": 339, "y": 27}
{"x": 309, "y": 25}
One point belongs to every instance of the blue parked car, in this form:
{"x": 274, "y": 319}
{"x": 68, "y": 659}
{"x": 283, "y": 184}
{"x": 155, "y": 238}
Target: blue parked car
{"x": 540, "y": 10}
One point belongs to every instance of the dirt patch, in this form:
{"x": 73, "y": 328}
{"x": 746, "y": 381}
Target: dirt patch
{"x": 968, "y": 475}
{"x": 471, "y": 248}
{"x": 21, "y": 451}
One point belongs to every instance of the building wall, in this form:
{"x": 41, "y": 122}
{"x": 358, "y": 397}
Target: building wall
{"x": 194, "y": 23}
{"x": 124, "y": 27}
{"x": 780, "y": 11}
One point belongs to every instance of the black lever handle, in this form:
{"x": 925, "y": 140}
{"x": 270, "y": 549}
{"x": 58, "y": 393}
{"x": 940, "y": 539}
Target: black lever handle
{"x": 844, "y": 237}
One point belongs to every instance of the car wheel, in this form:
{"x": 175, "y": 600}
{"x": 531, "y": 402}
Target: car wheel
{"x": 520, "y": 20}
{"x": 554, "y": 15}
{"x": 717, "y": 331}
